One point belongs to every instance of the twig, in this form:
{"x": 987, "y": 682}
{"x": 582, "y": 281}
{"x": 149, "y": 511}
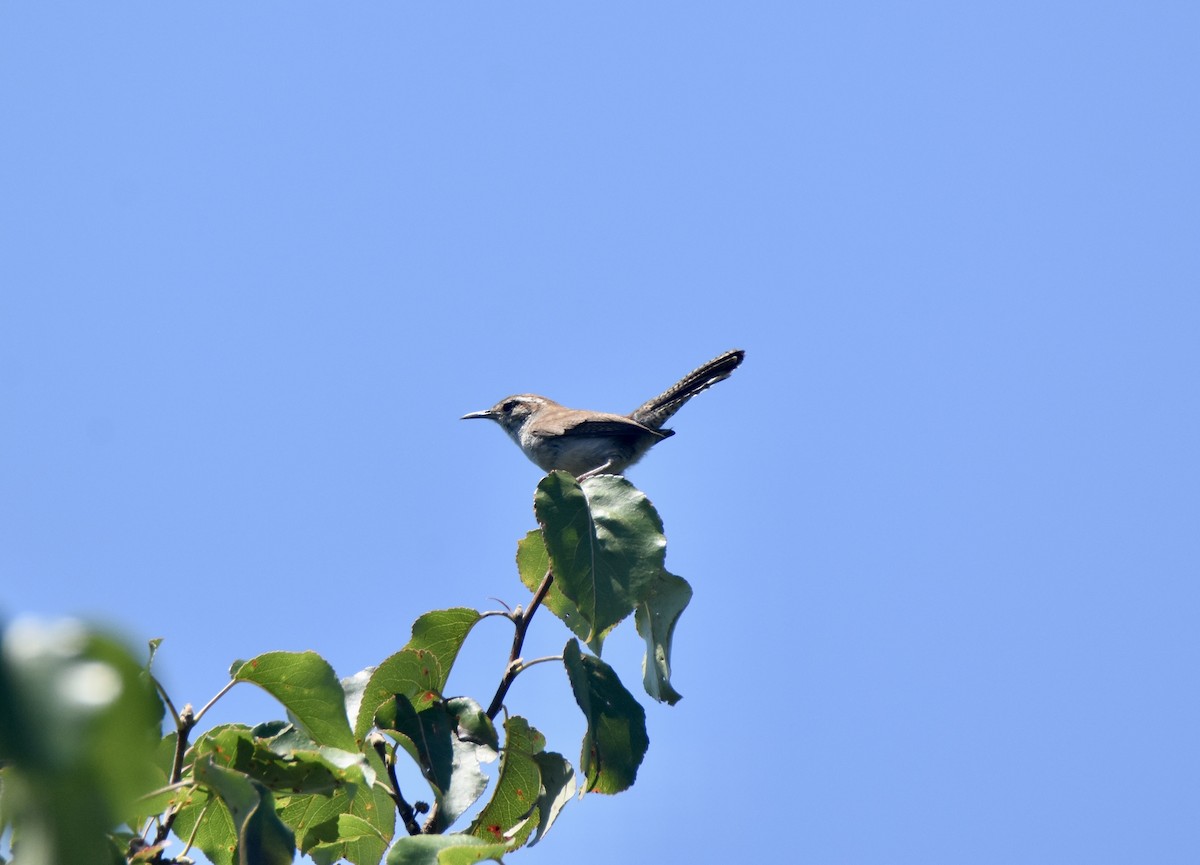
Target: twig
{"x": 162, "y": 692}
{"x": 525, "y": 665}
{"x": 406, "y": 812}
{"x": 184, "y": 723}
{"x": 521, "y": 625}
{"x": 170, "y": 788}
{"x": 221, "y": 693}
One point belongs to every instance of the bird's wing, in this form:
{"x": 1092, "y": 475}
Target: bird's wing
{"x": 611, "y": 425}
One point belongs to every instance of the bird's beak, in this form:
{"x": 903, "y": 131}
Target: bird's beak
{"x": 486, "y": 413}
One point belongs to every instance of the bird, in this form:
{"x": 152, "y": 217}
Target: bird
{"x": 586, "y": 443}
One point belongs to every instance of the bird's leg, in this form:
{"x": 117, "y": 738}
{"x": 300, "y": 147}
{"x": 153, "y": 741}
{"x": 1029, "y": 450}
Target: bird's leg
{"x": 598, "y": 470}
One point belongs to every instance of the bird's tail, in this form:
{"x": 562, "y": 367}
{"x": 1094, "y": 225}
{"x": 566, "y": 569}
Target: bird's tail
{"x": 656, "y": 412}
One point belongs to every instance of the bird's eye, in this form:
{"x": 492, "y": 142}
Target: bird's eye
{"x": 509, "y": 405}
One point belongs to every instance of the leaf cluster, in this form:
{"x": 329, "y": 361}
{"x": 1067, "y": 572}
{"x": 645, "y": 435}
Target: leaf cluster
{"x": 81, "y": 749}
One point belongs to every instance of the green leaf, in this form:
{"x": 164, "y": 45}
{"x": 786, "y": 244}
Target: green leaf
{"x": 352, "y": 827}
{"x": 293, "y": 746}
{"x": 520, "y": 735}
{"x": 306, "y": 684}
{"x": 442, "y": 633}
{"x": 415, "y": 675}
{"x": 444, "y": 850}
{"x": 656, "y": 618}
{"x": 511, "y": 814}
{"x": 437, "y": 635}
{"x": 80, "y": 724}
{"x": 558, "y": 786}
{"x": 616, "y": 739}
{"x": 350, "y": 830}
{"x": 474, "y": 725}
{"x": 262, "y": 838}
{"x": 284, "y": 758}
{"x": 377, "y": 809}
{"x": 465, "y": 855}
{"x": 153, "y": 644}
{"x": 316, "y": 820}
{"x": 203, "y": 817}
{"x": 605, "y": 544}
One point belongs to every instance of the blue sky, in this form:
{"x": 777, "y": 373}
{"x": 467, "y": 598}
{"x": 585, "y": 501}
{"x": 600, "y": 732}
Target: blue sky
{"x": 257, "y": 259}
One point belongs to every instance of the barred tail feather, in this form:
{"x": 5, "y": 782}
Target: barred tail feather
{"x": 656, "y": 412}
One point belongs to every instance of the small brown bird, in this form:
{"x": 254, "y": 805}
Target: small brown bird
{"x": 591, "y": 442}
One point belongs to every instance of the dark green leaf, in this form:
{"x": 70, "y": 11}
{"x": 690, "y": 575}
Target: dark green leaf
{"x": 425, "y": 734}
{"x": 306, "y": 684}
{"x": 444, "y": 850}
{"x": 616, "y": 739}
{"x": 656, "y": 618}
{"x": 532, "y": 564}
{"x": 473, "y": 723}
{"x": 605, "y": 544}
{"x": 262, "y": 838}
{"x": 511, "y": 814}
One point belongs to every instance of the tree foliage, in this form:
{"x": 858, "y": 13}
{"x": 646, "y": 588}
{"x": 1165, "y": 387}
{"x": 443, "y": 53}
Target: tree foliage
{"x": 87, "y": 776}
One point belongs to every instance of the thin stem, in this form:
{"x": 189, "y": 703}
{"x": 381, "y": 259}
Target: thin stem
{"x": 221, "y": 693}
{"x": 525, "y": 665}
{"x": 406, "y": 812}
{"x": 178, "y": 785}
{"x": 199, "y": 822}
{"x": 162, "y": 692}
{"x": 521, "y": 622}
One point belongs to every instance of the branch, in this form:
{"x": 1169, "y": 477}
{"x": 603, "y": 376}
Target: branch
{"x": 521, "y": 622}
{"x": 185, "y": 722}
